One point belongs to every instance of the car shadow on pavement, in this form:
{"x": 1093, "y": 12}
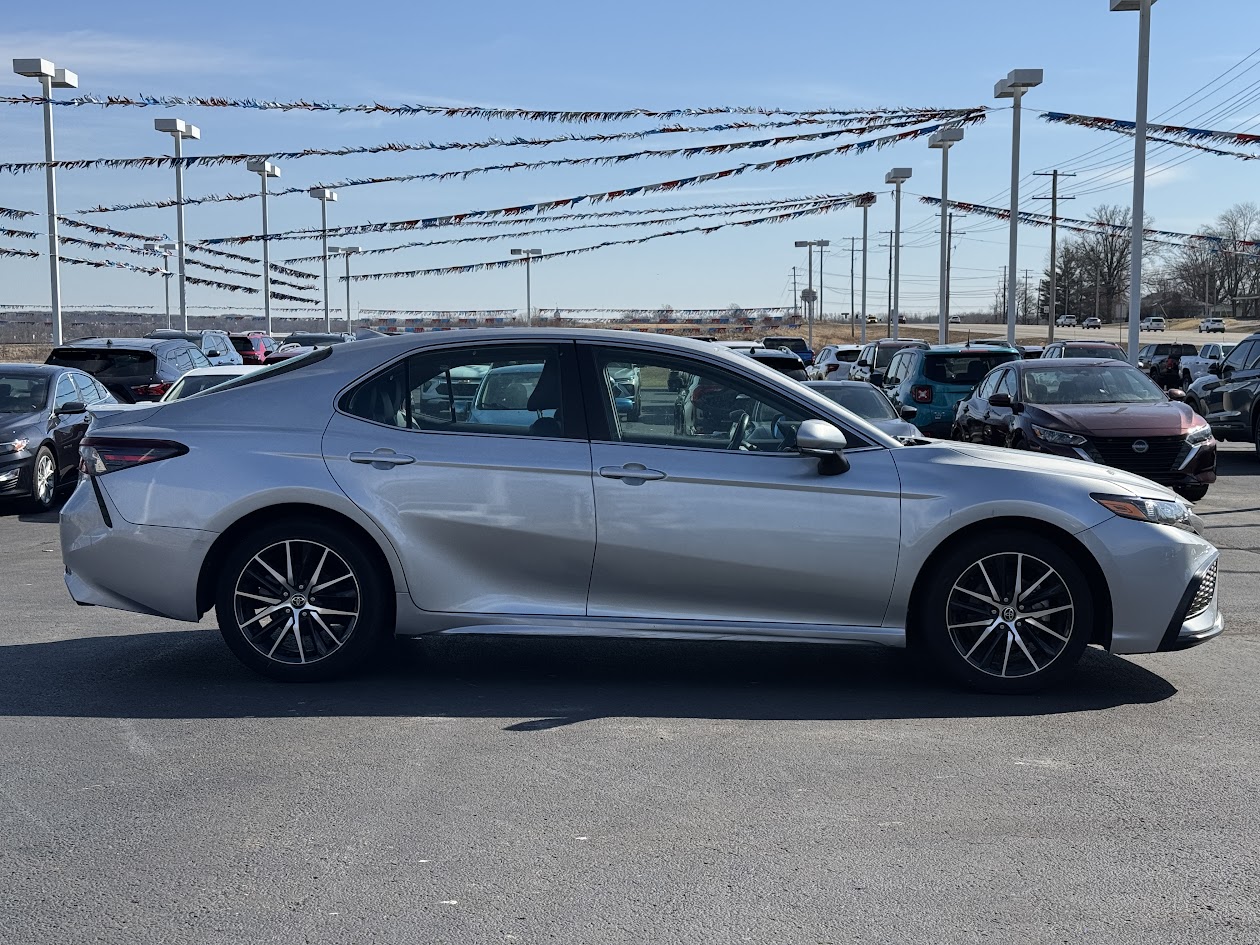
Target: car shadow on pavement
{"x": 538, "y": 683}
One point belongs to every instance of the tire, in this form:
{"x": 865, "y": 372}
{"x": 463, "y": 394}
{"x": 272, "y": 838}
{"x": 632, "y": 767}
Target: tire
{"x": 333, "y": 638}
{"x": 44, "y": 481}
{"x": 1255, "y": 436}
{"x": 1015, "y": 653}
{"x": 1186, "y": 380}
{"x": 1192, "y": 493}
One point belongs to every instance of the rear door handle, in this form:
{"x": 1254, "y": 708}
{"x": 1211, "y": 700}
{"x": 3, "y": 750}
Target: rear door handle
{"x": 631, "y": 472}
{"x": 382, "y": 458}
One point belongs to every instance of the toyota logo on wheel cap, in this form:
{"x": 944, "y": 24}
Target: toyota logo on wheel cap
{"x": 1140, "y": 446}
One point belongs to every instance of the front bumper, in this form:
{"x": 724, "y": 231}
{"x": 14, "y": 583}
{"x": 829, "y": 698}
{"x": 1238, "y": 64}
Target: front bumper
{"x": 16, "y": 470}
{"x": 1198, "y": 618}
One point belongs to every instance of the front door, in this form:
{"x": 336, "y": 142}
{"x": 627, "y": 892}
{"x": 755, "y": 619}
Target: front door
{"x": 486, "y": 497}
{"x": 706, "y": 511}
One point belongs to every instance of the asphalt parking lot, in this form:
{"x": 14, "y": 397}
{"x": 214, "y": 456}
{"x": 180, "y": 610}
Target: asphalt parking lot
{"x": 153, "y": 790}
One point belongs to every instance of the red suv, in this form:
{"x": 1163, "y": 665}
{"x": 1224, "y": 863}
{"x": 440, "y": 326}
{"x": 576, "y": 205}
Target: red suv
{"x": 253, "y": 347}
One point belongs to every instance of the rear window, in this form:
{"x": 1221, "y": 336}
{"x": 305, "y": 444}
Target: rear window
{"x": 792, "y": 344}
{"x": 1079, "y": 351}
{"x": 1185, "y": 350}
{"x": 780, "y": 362}
{"x": 105, "y": 363}
{"x": 847, "y": 357}
{"x": 963, "y": 369}
{"x": 243, "y": 344}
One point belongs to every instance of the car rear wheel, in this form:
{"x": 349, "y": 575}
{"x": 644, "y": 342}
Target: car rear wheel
{"x": 44, "y": 480}
{"x": 1007, "y": 612}
{"x": 301, "y": 602}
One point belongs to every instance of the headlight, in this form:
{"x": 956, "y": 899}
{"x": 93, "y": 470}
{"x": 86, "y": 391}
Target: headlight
{"x": 1057, "y": 437}
{"x": 1156, "y": 511}
{"x": 14, "y": 446}
{"x": 1200, "y": 434}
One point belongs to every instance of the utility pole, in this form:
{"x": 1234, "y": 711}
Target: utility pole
{"x": 1007, "y": 296}
{"x": 1097, "y": 292}
{"x": 1027, "y": 276}
{"x": 891, "y": 245}
{"x": 796, "y": 300}
{"x": 1054, "y": 244}
{"x": 949, "y": 266}
{"x": 853, "y": 286}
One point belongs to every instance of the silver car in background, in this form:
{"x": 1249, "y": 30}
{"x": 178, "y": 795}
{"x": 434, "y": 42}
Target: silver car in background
{"x": 326, "y": 502}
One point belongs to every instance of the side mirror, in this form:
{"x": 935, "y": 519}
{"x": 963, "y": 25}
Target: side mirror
{"x": 1000, "y": 400}
{"x": 1214, "y": 369}
{"x": 212, "y": 354}
{"x": 1176, "y": 393}
{"x": 863, "y": 363}
{"x": 909, "y": 413}
{"x": 70, "y": 408}
{"x": 877, "y": 378}
{"x": 822, "y": 439}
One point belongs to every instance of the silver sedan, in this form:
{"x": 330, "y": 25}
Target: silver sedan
{"x": 326, "y": 502}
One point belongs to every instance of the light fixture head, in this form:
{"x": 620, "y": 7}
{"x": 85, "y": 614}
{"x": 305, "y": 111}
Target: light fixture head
{"x": 171, "y": 247}
{"x": 322, "y": 193}
{"x": 898, "y": 175}
{"x": 176, "y": 126}
{"x": 1127, "y": 6}
{"x": 351, "y": 249}
{"x": 801, "y": 244}
{"x": 527, "y": 252}
{"x": 262, "y": 166}
{"x": 34, "y": 68}
{"x": 864, "y": 201}
{"x": 1002, "y": 89}
{"x": 945, "y": 137}
{"x": 153, "y": 247}
{"x": 1025, "y": 78}
{"x": 65, "y": 79}
{"x": 822, "y": 243}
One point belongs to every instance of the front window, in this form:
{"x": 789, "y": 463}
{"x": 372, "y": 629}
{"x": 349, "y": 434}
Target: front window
{"x": 22, "y": 393}
{"x": 861, "y": 399}
{"x": 1120, "y": 384}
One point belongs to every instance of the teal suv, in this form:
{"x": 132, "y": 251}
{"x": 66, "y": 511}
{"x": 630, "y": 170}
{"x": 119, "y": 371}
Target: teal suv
{"x": 934, "y": 381}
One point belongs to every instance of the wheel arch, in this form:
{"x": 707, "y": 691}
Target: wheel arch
{"x": 300, "y": 511}
{"x": 1069, "y": 544}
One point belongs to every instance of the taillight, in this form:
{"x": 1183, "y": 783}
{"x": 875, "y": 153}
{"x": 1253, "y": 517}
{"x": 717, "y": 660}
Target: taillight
{"x": 832, "y": 367}
{"x": 99, "y": 455}
{"x": 151, "y": 390}
{"x": 921, "y": 395}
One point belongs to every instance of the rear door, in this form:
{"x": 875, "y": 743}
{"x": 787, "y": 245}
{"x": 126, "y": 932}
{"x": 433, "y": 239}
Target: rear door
{"x": 722, "y": 526}
{"x": 1233, "y": 404}
{"x": 67, "y": 429}
{"x": 493, "y": 515}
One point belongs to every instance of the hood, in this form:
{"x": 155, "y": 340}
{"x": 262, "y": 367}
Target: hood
{"x": 13, "y": 425}
{"x": 1108, "y": 478}
{"x": 1166, "y": 419}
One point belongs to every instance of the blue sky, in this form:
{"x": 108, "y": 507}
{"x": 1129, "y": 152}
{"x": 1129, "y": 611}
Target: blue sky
{"x": 613, "y": 56}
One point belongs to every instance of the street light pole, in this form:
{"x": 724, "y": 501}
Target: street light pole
{"x": 165, "y": 249}
{"x": 1016, "y": 83}
{"x": 1054, "y": 247}
{"x": 942, "y": 141}
{"x": 347, "y": 251}
{"x": 1143, "y": 7}
{"x": 179, "y": 129}
{"x": 50, "y": 77}
{"x": 898, "y": 176}
{"x": 865, "y": 204}
{"x": 264, "y": 170}
{"x": 529, "y": 254}
{"x": 323, "y": 195}
{"x": 852, "y": 285}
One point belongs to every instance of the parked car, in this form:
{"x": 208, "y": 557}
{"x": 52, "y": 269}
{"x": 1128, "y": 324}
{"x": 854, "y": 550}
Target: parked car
{"x": 872, "y": 320}
{"x": 783, "y": 360}
{"x": 934, "y": 380}
{"x": 215, "y": 343}
{"x": 744, "y": 346}
{"x": 354, "y": 519}
{"x": 834, "y": 362}
{"x": 1103, "y": 411}
{"x": 1092, "y": 322}
{"x": 131, "y": 368}
{"x": 1084, "y": 349}
{"x": 1212, "y": 324}
{"x": 955, "y": 320}
{"x": 1151, "y": 323}
{"x": 253, "y": 347}
{"x": 1230, "y": 396}
{"x": 1163, "y": 361}
{"x": 195, "y": 381}
{"x": 869, "y": 404}
{"x": 1066, "y": 321}
{"x": 873, "y": 359}
{"x": 798, "y": 346}
{"x": 43, "y": 416}
{"x": 1194, "y": 366}
{"x": 1031, "y": 352}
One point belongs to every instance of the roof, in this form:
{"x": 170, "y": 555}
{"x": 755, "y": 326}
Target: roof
{"x": 139, "y": 344}
{"x": 973, "y": 349}
{"x": 1069, "y": 363}
{"x": 39, "y": 370}
{"x": 1089, "y": 344}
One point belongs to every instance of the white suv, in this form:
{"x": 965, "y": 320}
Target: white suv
{"x": 1212, "y": 324}
{"x": 1066, "y": 321}
{"x": 1151, "y": 323}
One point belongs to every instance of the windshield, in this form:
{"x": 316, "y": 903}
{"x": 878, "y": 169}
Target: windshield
{"x": 862, "y": 399}
{"x": 964, "y": 370}
{"x": 508, "y": 389}
{"x": 105, "y": 364}
{"x": 1093, "y": 384}
{"x": 22, "y": 393}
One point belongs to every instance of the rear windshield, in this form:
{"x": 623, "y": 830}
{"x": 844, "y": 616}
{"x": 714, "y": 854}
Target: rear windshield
{"x": 1080, "y": 351}
{"x": 963, "y": 369}
{"x": 243, "y": 344}
{"x": 1185, "y": 350}
{"x": 311, "y": 338}
{"x": 105, "y": 364}
{"x": 792, "y": 344}
{"x": 780, "y": 363}
{"x": 847, "y": 357}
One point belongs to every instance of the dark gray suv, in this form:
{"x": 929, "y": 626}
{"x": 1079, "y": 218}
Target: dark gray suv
{"x": 1231, "y": 399}
{"x": 132, "y": 369}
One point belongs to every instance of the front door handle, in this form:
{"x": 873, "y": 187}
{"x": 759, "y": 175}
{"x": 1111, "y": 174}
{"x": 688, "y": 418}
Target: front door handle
{"x": 382, "y": 458}
{"x": 632, "y": 473}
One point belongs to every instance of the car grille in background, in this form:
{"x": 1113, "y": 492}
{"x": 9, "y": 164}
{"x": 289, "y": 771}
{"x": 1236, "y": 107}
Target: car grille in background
{"x": 1162, "y": 457}
{"x": 1203, "y": 599}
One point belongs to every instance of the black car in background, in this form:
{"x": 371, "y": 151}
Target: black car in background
{"x": 1163, "y": 361}
{"x": 1230, "y": 396}
{"x": 798, "y": 346}
{"x": 1084, "y": 349}
{"x": 43, "y": 416}
{"x": 782, "y": 360}
{"x": 132, "y": 369}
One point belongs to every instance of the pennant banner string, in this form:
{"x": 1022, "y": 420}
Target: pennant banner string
{"x": 219, "y": 160}
{"x": 557, "y": 163}
{"x": 519, "y": 260}
{"x": 448, "y": 111}
{"x": 1172, "y": 131}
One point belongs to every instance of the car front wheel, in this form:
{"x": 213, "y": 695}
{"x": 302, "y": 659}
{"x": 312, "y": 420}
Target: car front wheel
{"x": 1007, "y": 612}
{"x": 301, "y": 602}
{"x": 44, "y": 480}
